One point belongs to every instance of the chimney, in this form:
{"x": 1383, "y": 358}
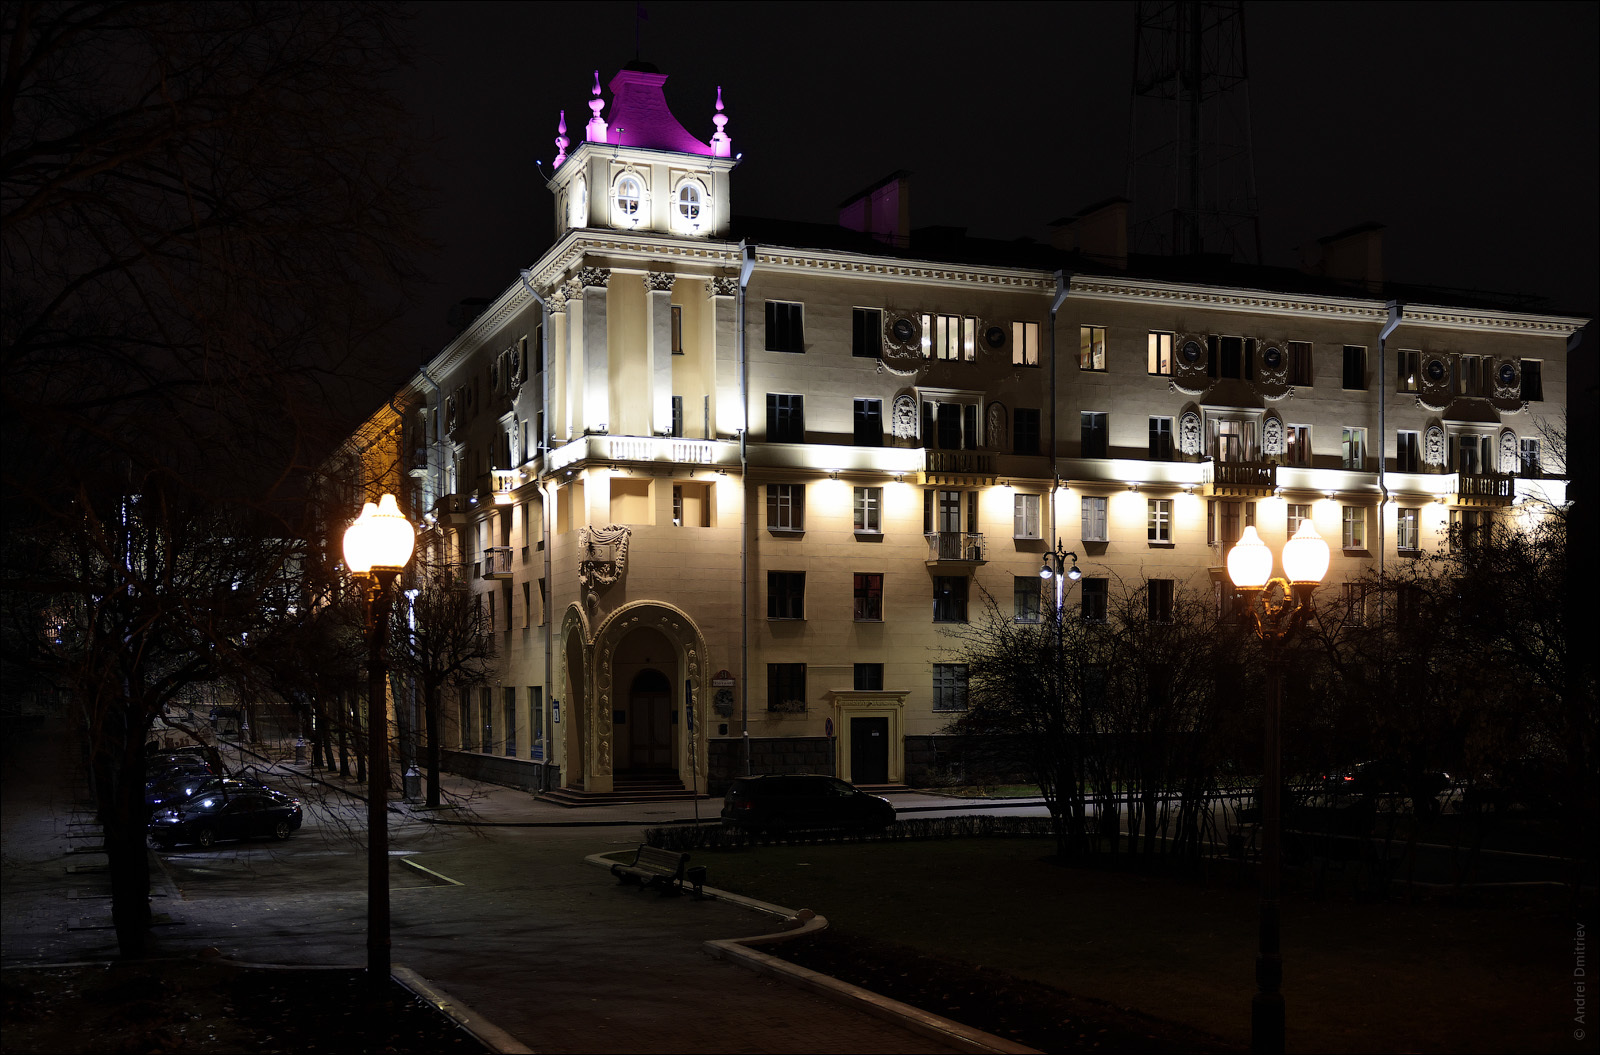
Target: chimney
{"x": 1099, "y": 232}
{"x": 882, "y": 210}
{"x": 1354, "y": 255}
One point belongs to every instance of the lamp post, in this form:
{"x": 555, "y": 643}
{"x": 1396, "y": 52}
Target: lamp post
{"x": 1061, "y": 558}
{"x": 376, "y": 549}
{"x": 1278, "y": 609}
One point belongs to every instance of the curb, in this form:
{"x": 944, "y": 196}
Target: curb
{"x": 805, "y": 922}
{"x": 481, "y": 1029}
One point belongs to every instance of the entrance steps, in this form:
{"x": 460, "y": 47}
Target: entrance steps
{"x": 626, "y": 788}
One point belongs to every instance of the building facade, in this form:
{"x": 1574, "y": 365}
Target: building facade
{"x": 721, "y": 487}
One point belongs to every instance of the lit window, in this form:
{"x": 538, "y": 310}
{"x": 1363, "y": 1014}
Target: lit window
{"x": 1024, "y": 344}
{"x": 1025, "y": 516}
{"x": 868, "y": 503}
{"x": 629, "y": 196}
{"x": 1408, "y": 533}
{"x": 949, "y": 337}
{"x": 1355, "y": 527}
{"x": 1161, "y": 354}
{"x": 1354, "y": 447}
{"x": 689, "y": 203}
{"x": 1410, "y": 377}
{"x": 1091, "y": 347}
{"x": 1297, "y": 445}
{"x": 1158, "y": 519}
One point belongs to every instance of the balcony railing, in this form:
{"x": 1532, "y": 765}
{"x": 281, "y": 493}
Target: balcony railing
{"x": 956, "y": 546}
{"x": 454, "y": 509}
{"x": 497, "y": 562}
{"x": 1239, "y": 478}
{"x": 1485, "y": 489}
{"x": 968, "y": 463}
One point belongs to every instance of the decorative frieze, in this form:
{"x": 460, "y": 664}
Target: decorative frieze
{"x": 659, "y": 281}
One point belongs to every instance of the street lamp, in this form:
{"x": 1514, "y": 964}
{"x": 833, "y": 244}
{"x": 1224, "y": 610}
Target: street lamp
{"x": 1061, "y": 557}
{"x": 1278, "y": 609}
{"x": 376, "y": 548}
{"x": 1060, "y": 573}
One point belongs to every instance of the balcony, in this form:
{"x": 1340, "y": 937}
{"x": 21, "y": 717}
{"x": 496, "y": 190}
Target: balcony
{"x": 417, "y": 468}
{"x": 956, "y": 548}
{"x": 455, "y": 510}
{"x": 1238, "y": 479}
{"x": 972, "y": 468}
{"x": 1485, "y": 489}
{"x": 497, "y": 562}
{"x": 503, "y": 482}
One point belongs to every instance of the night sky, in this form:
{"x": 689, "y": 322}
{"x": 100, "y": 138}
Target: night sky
{"x": 1469, "y": 130}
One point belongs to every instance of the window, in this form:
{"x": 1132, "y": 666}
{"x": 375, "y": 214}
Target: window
{"x": 1407, "y": 603}
{"x": 1300, "y": 363}
{"x": 949, "y": 337}
{"x": 1299, "y": 513}
{"x": 869, "y": 597}
{"x": 868, "y": 510}
{"x": 1158, "y": 519}
{"x": 786, "y": 418}
{"x": 941, "y": 512}
{"x": 1236, "y": 357}
{"x": 1161, "y": 448}
{"x": 1532, "y": 380}
{"x": 786, "y": 595}
{"x": 1474, "y": 454}
{"x": 1232, "y": 439}
{"x": 1469, "y": 375}
{"x": 1091, "y": 348}
{"x": 527, "y": 605}
{"x": 785, "y": 327}
{"x": 1354, "y": 447}
{"x": 1226, "y": 521}
{"x": 1355, "y": 367}
{"x": 511, "y": 722}
{"x": 677, "y": 415}
{"x": 1355, "y": 527}
{"x": 786, "y": 507}
{"x": 1025, "y": 516}
{"x": 786, "y": 688}
{"x": 1355, "y": 604}
{"x": 1094, "y": 520}
{"x": 868, "y": 677}
{"x": 869, "y": 422}
{"x": 1159, "y": 593}
{"x": 866, "y": 333}
{"x": 1528, "y": 457}
{"x": 629, "y": 195}
{"x": 949, "y": 426}
{"x": 1092, "y": 427}
{"x": 949, "y": 599}
{"x": 486, "y": 707}
{"x": 465, "y": 721}
{"x": 1025, "y": 430}
{"x": 1407, "y": 452}
{"x": 1297, "y": 445}
{"x": 1025, "y": 598}
{"x": 949, "y": 686}
{"x": 677, "y": 505}
{"x": 1024, "y": 344}
{"x": 1407, "y": 529}
{"x": 1096, "y": 599}
{"x": 1161, "y": 354}
{"x": 689, "y": 203}
{"x": 1469, "y": 528}
{"x": 536, "y": 721}
{"x": 677, "y": 329}
{"x": 1410, "y": 376}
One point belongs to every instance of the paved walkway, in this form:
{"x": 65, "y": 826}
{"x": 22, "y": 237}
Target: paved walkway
{"x": 556, "y": 955}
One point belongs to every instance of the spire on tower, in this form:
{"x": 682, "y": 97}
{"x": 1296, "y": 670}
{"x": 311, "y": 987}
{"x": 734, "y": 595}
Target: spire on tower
{"x": 721, "y": 145}
{"x": 562, "y": 142}
{"x": 596, "y": 132}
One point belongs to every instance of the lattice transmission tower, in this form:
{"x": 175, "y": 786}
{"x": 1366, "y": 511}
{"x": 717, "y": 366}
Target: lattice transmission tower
{"x": 1191, "y": 170}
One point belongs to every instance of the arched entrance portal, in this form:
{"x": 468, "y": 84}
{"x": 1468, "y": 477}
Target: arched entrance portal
{"x": 650, "y": 718}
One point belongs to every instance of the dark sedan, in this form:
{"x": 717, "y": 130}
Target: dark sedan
{"x": 797, "y": 802}
{"x": 251, "y": 812}
{"x": 181, "y": 786}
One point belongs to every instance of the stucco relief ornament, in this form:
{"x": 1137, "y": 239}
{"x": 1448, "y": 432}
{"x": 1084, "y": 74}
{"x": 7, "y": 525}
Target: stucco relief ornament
{"x": 1189, "y": 432}
{"x": 573, "y": 290}
{"x": 604, "y": 554}
{"x": 905, "y": 417}
{"x": 995, "y": 433}
{"x": 1507, "y": 380}
{"x": 1433, "y": 446}
{"x": 902, "y": 345}
{"x": 722, "y": 286}
{"x": 1510, "y": 452}
{"x": 659, "y": 281}
{"x": 594, "y": 276}
{"x": 1272, "y": 435}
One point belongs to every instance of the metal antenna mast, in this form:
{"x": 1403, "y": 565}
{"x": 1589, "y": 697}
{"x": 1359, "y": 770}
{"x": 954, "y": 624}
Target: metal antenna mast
{"x": 1191, "y": 167}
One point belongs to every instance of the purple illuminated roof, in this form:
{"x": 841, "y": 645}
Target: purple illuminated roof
{"x": 640, "y": 118}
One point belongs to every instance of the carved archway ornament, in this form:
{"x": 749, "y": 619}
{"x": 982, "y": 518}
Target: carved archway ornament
{"x": 1433, "y": 446}
{"x": 904, "y": 421}
{"x": 1510, "y": 452}
{"x": 674, "y": 624}
{"x": 1272, "y": 436}
{"x": 1189, "y": 432}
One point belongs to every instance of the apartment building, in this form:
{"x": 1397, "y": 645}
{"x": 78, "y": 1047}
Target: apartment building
{"x": 722, "y": 486}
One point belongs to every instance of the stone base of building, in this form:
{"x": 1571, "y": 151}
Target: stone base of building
{"x": 529, "y": 775}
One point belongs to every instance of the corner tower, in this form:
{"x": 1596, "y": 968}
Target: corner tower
{"x": 638, "y": 169}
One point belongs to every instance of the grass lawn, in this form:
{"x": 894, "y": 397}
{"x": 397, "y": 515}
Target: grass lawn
{"x": 1359, "y": 977}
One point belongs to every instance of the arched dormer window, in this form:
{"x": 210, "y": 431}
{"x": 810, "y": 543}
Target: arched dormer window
{"x": 629, "y": 200}
{"x": 689, "y": 203}
{"x": 578, "y": 215}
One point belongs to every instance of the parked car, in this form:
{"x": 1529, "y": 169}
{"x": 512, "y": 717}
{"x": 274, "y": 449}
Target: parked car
{"x": 776, "y": 803}
{"x": 183, "y": 785}
{"x": 248, "y": 813}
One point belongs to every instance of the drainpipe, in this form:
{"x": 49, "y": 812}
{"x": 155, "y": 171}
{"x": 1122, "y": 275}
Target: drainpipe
{"x": 747, "y": 264}
{"x": 1063, "y": 286}
{"x": 544, "y": 530}
{"x": 1396, "y": 311}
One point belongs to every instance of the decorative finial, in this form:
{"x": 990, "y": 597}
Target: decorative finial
{"x": 596, "y": 132}
{"x": 721, "y": 145}
{"x": 562, "y": 142}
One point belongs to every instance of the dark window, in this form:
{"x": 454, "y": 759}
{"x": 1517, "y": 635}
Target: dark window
{"x": 786, "y": 688}
{"x": 1096, "y": 594}
{"x": 1025, "y": 598}
{"x": 1161, "y": 439}
{"x": 949, "y": 686}
{"x": 786, "y": 595}
{"x": 869, "y": 597}
{"x": 677, "y": 415}
{"x": 1232, "y": 349}
{"x": 1300, "y": 363}
{"x": 1407, "y": 452}
{"x": 1093, "y": 428}
{"x": 1532, "y": 380}
{"x": 869, "y": 677}
{"x": 1025, "y": 430}
{"x": 677, "y": 329}
{"x": 1160, "y": 594}
{"x": 786, "y": 418}
{"x": 785, "y": 327}
{"x": 866, "y": 333}
{"x": 869, "y": 423}
{"x": 1355, "y": 367}
{"x": 949, "y": 599}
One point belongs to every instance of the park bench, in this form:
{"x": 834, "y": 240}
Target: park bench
{"x": 665, "y": 870}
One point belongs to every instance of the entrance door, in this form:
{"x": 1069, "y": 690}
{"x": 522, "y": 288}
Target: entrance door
{"x": 869, "y": 750}
{"x": 650, "y": 722}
